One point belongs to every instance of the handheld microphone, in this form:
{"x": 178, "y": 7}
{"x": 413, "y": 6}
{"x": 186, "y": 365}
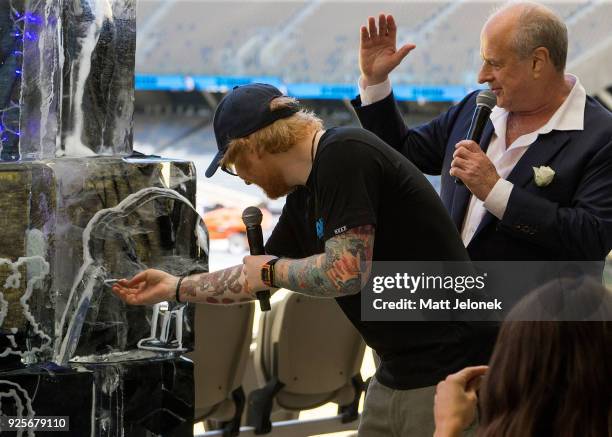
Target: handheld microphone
{"x": 485, "y": 101}
{"x": 251, "y": 217}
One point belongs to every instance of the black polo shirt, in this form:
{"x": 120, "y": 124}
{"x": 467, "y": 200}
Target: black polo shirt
{"x": 356, "y": 180}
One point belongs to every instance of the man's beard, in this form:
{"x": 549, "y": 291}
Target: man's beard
{"x": 274, "y": 185}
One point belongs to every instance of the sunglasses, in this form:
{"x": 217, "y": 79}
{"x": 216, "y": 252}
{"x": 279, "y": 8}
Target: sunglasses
{"x": 230, "y": 170}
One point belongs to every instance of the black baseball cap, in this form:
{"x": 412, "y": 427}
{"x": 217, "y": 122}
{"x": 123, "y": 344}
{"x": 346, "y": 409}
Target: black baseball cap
{"x": 245, "y": 110}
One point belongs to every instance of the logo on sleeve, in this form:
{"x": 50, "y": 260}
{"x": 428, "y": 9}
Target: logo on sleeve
{"x": 340, "y": 230}
{"x": 320, "y": 228}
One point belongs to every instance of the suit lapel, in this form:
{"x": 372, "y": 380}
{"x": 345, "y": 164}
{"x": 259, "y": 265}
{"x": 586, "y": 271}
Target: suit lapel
{"x": 539, "y": 153}
{"x": 461, "y": 197}
{"x": 459, "y": 205}
{"x": 487, "y": 133}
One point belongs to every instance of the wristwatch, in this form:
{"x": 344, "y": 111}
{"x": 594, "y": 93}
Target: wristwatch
{"x": 267, "y": 272}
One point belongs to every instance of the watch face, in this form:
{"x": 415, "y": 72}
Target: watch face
{"x": 265, "y": 274}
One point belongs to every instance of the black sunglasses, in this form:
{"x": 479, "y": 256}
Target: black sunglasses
{"x": 232, "y": 172}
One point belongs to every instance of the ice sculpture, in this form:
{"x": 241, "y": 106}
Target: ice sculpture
{"x": 78, "y": 208}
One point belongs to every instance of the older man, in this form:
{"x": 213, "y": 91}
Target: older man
{"x": 543, "y": 119}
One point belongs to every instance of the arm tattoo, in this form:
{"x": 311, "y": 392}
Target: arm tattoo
{"x": 226, "y": 286}
{"x": 343, "y": 269}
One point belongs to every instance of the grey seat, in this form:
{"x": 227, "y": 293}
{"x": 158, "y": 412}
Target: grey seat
{"x": 307, "y": 354}
{"x": 223, "y": 335}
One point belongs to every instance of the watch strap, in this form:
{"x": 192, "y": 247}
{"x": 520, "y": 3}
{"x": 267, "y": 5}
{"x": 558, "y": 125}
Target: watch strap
{"x": 267, "y": 272}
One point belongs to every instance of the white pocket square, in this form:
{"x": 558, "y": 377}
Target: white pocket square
{"x": 543, "y": 175}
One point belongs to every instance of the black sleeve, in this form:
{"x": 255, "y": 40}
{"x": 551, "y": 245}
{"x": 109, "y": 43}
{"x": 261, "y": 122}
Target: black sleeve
{"x": 349, "y": 177}
{"x": 284, "y": 241}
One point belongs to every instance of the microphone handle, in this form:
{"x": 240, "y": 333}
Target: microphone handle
{"x": 256, "y": 247}
{"x": 255, "y": 239}
{"x": 479, "y": 120}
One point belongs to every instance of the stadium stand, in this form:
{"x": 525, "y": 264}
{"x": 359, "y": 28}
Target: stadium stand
{"x": 338, "y": 24}
{"x": 588, "y": 26}
{"x": 215, "y": 37}
{"x": 316, "y": 41}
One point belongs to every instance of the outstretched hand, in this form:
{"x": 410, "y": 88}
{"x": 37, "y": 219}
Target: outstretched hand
{"x": 455, "y": 401}
{"x": 378, "y": 53}
{"x": 147, "y": 287}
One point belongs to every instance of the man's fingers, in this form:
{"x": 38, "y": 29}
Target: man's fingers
{"x": 460, "y": 163}
{"x": 365, "y": 35}
{"x": 391, "y": 27}
{"x": 462, "y": 152}
{"x": 121, "y": 291}
{"x": 140, "y": 277}
{"x": 403, "y": 52}
{"x": 458, "y": 172}
{"x": 121, "y": 294}
{"x": 372, "y": 27}
{"x": 382, "y": 25}
{"x": 134, "y": 299}
{"x": 468, "y": 144}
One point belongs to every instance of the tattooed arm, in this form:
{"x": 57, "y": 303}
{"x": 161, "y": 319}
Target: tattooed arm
{"x": 343, "y": 269}
{"x": 226, "y": 286}
{"x": 152, "y": 286}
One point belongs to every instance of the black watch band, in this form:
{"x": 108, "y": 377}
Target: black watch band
{"x": 267, "y": 272}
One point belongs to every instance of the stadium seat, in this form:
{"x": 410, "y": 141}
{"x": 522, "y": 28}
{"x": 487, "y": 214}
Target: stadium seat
{"x": 304, "y": 42}
{"x": 221, "y": 351}
{"x": 307, "y": 354}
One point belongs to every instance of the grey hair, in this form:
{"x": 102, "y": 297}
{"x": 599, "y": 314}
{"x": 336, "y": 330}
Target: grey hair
{"x": 538, "y": 26}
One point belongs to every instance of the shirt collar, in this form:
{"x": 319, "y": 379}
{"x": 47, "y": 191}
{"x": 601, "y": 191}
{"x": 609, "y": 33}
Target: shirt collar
{"x": 569, "y": 116}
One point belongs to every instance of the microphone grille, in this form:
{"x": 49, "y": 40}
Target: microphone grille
{"x": 252, "y": 216}
{"x": 486, "y": 98}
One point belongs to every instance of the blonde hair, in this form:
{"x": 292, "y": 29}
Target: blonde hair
{"x": 278, "y": 137}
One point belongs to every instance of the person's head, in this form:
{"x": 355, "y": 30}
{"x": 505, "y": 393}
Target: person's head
{"x": 524, "y": 50}
{"x": 551, "y": 377}
{"x": 254, "y": 125}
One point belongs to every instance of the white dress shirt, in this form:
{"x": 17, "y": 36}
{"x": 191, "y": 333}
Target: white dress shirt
{"x": 569, "y": 116}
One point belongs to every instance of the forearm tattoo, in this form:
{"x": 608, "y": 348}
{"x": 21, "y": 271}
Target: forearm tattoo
{"x": 226, "y": 286}
{"x": 342, "y": 270}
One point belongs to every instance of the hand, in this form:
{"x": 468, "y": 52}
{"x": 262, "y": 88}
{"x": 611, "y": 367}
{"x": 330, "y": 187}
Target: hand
{"x": 252, "y": 270}
{"x": 455, "y": 401}
{"x": 474, "y": 168}
{"x": 378, "y": 55}
{"x": 147, "y": 288}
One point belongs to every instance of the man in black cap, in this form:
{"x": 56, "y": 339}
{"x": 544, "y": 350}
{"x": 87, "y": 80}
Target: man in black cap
{"x": 351, "y": 200}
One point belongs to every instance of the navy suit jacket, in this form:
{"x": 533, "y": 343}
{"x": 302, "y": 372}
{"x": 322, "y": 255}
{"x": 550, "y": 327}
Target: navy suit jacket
{"x": 570, "y": 219}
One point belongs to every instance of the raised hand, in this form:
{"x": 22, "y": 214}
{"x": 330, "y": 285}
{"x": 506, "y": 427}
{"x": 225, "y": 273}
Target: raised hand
{"x": 378, "y": 53}
{"x": 147, "y": 287}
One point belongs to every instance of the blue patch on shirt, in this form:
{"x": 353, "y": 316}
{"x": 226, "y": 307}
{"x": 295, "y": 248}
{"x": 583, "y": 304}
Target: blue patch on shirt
{"x": 320, "y": 229}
